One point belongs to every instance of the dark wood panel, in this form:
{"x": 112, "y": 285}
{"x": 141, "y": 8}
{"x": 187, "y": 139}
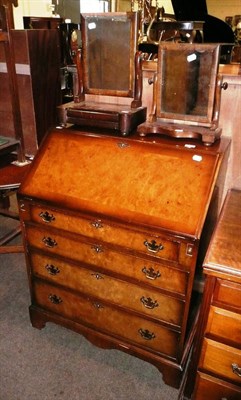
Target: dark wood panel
{"x": 37, "y": 54}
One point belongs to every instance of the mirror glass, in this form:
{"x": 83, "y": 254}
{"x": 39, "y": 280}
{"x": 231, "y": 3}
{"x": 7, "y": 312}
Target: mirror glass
{"x": 108, "y": 53}
{"x": 187, "y": 81}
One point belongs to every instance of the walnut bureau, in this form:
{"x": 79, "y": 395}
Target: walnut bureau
{"x": 217, "y": 352}
{"x": 113, "y": 231}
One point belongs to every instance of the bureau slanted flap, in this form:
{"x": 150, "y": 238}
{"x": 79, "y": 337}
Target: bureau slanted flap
{"x": 126, "y": 179}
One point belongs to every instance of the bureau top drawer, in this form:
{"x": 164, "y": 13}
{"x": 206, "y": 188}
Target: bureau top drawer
{"x": 153, "y": 244}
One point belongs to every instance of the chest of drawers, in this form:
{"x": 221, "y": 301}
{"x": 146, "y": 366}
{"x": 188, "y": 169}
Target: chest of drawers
{"x": 113, "y": 230}
{"x": 218, "y": 347}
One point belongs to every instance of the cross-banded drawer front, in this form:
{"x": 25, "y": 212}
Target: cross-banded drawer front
{"x": 96, "y": 254}
{"x": 224, "y": 324}
{"x": 121, "y": 324}
{"x": 223, "y": 360}
{"x": 151, "y": 244}
{"x": 145, "y": 301}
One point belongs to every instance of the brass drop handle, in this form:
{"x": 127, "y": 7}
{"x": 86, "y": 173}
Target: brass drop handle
{"x": 49, "y": 242}
{"x": 236, "y": 369}
{"x": 52, "y": 270}
{"x": 151, "y": 273}
{"x": 148, "y": 302}
{"x": 153, "y": 247}
{"x": 55, "y": 299}
{"x": 146, "y": 334}
{"x": 46, "y": 217}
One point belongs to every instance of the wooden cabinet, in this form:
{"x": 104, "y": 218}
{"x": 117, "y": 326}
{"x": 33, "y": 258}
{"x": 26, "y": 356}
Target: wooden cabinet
{"x": 218, "y": 347}
{"x": 42, "y": 22}
{"x": 113, "y": 232}
{"x": 37, "y": 55}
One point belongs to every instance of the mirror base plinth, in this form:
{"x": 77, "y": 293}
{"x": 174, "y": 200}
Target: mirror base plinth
{"x": 122, "y": 119}
{"x": 206, "y": 134}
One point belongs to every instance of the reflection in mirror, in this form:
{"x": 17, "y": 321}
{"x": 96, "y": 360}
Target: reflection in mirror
{"x": 188, "y": 95}
{"x": 186, "y": 81}
{"x": 108, "y": 60}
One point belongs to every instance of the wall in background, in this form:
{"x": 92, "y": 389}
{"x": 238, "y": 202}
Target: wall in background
{"x": 36, "y": 8}
{"x": 224, "y": 8}
{"x": 71, "y": 8}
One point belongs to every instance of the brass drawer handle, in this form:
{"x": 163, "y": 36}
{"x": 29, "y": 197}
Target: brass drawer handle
{"x": 153, "y": 247}
{"x": 150, "y": 273}
{"x": 52, "y": 270}
{"x": 46, "y": 217}
{"x": 97, "y": 248}
{"x": 145, "y": 334}
{"x": 236, "y": 369}
{"x": 55, "y": 299}
{"x": 96, "y": 224}
{"x": 148, "y": 302}
{"x": 49, "y": 242}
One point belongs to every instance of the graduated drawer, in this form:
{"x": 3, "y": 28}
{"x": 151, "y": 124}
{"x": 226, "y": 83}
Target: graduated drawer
{"x": 90, "y": 281}
{"x": 108, "y": 319}
{"x": 224, "y": 324}
{"x": 155, "y": 245}
{"x": 228, "y": 293}
{"x": 221, "y": 360}
{"x": 95, "y": 254}
{"x": 208, "y": 387}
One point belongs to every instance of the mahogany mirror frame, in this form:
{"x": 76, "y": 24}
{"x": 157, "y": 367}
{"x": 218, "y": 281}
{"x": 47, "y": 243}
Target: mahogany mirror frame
{"x": 127, "y": 49}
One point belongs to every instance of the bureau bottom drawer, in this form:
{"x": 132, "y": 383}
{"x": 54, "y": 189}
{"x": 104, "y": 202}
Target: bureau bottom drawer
{"x": 210, "y": 388}
{"x": 110, "y": 320}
